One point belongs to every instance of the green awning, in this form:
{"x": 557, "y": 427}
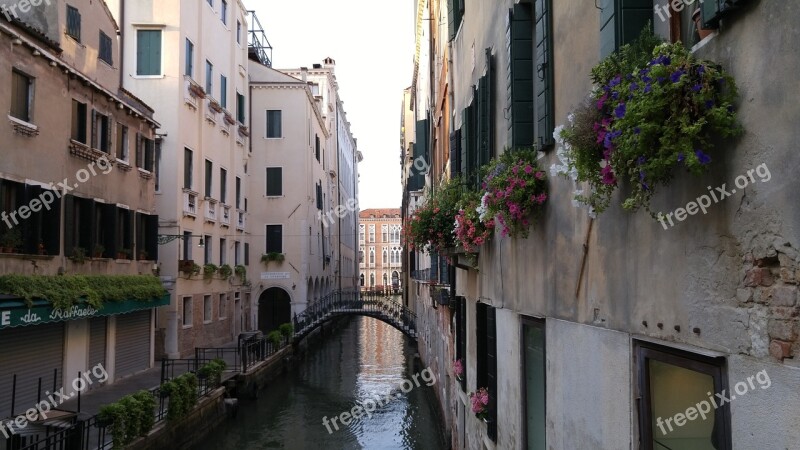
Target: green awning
{"x": 14, "y": 312}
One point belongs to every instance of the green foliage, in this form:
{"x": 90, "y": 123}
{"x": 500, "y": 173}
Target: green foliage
{"x": 11, "y": 239}
{"x": 225, "y": 270}
{"x": 431, "y": 226}
{"x": 241, "y": 272}
{"x": 209, "y": 270}
{"x": 656, "y": 109}
{"x": 286, "y": 330}
{"x": 213, "y": 369}
{"x": 79, "y": 255}
{"x": 130, "y": 417}
{"x": 182, "y": 392}
{"x": 64, "y": 291}
{"x": 272, "y": 256}
{"x": 98, "y": 251}
{"x": 516, "y": 190}
{"x": 275, "y": 337}
{"x": 196, "y": 269}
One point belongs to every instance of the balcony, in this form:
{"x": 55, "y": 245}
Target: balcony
{"x": 240, "y": 220}
{"x": 226, "y": 216}
{"x": 211, "y": 210}
{"x": 189, "y": 203}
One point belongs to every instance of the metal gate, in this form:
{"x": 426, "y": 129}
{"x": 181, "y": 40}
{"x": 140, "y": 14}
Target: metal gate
{"x": 133, "y": 343}
{"x": 31, "y": 353}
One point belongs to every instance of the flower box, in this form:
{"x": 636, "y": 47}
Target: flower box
{"x": 196, "y": 91}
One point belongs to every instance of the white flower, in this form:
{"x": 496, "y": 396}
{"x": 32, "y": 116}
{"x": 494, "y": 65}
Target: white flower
{"x": 557, "y": 134}
{"x": 592, "y": 213}
{"x": 571, "y": 118}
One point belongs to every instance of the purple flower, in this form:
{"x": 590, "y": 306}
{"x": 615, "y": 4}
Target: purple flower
{"x": 647, "y": 79}
{"x": 620, "y": 110}
{"x": 641, "y": 160}
{"x": 648, "y": 88}
{"x": 702, "y": 157}
{"x": 634, "y": 86}
{"x": 701, "y": 69}
{"x": 644, "y": 71}
{"x": 681, "y": 157}
{"x": 697, "y": 87}
{"x": 608, "y": 175}
{"x": 637, "y": 130}
{"x": 661, "y": 80}
{"x": 676, "y": 76}
{"x": 615, "y": 81}
{"x": 615, "y": 95}
{"x": 602, "y": 101}
{"x": 709, "y": 104}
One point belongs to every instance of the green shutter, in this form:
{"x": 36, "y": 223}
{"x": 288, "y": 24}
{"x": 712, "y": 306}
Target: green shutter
{"x": 608, "y": 30}
{"x": 472, "y": 142}
{"x": 69, "y": 225}
{"x": 520, "y": 79}
{"x": 464, "y": 144}
{"x": 710, "y": 13}
{"x": 622, "y": 21}
{"x": 544, "y": 105}
{"x": 451, "y": 19}
{"x": 148, "y": 52}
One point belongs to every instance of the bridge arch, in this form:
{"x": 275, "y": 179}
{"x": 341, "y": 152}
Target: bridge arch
{"x": 274, "y": 309}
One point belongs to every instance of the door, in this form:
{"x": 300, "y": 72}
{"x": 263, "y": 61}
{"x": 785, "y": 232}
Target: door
{"x": 133, "y": 343}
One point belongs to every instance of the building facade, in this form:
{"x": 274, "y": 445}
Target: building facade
{"x": 77, "y": 197}
{"x": 601, "y": 332}
{"x": 381, "y": 250}
{"x": 190, "y": 60}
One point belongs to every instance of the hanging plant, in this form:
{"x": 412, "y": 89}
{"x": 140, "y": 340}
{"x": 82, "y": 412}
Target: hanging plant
{"x": 225, "y": 271}
{"x": 209, "y": 270}
{"x": 479, "y": 401}
{"x": 655, "y": 109}
{"x": 469, "y": 230}
{"x": 430, "y": 228}
{"x": 515, "y": 192}
{"x": 241, "y": 272}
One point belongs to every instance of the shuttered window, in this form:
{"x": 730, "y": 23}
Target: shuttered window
{"x": 274, "y": 126}
{"x": 21, "y": 96}
{"x": 188, "y": 156}
{"x": 238, "y": 192}
{"x": 455, "y": 15}
{"x": 73, "y": 23}
{"x": 189, "y": 63}
{"x": 621, "y": 21}
{"x": 519, "y": 82}
{"x": 484, "y": 131}
{"x": 469, "y": 143}
{"x": 209, "y": 178}
{"x": 146, "y": 234}
{"x": 461, "y": 338}
{"x": 240, "y": 116}
{"x": 223, "y": 185}
{"x": 274, "y": 239}
{"x": 486, "y": 374}
{"x": 79, "y": 124}
{"x": 223, "y": 91}
{"x": 274, "y": 181}
{"x": 106, "y": 50}
{"x": 319, "y": 196}
{"x": 148, "y": 52}
{"x": 543, "y": 81}
{"x": 455, "y": 153}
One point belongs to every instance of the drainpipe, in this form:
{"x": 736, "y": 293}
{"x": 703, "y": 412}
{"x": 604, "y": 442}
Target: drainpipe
{"x": 121, "y": 42}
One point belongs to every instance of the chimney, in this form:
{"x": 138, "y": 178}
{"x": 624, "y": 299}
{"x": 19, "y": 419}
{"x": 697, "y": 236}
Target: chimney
{"x": 317, "y": 66}
{"x": 304, "y": 71}
{"x": 329, "y": 63}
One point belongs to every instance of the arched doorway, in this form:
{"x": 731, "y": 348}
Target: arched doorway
{"x": 274, "y": 309}
{"x": 395, "y": 280}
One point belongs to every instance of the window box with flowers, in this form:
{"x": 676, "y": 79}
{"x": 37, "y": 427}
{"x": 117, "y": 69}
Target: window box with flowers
{"x": 458, "y": 369}
{"x": 430, "y": 228}
{"x": 655, "y": 109}
{"x": 479, "y": 401}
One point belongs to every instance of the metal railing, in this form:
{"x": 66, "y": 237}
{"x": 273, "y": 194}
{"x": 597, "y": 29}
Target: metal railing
{"x": 258, "y": 349}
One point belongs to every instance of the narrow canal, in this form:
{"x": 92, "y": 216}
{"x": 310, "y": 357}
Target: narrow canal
{"x": 366, "y": 359}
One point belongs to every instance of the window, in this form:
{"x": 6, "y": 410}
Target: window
{"x": 157, "y": 165}
{"x": 274, "y": 181}
{"x": 384, "y": 233}
{"x": 207, "y": 311}
{"x": 534, "y": 383}
{"x": 361, "y": 280}
{"x": 122, "y": 142}
{"x": 237, "y": 256}
{"x": 223, "y": 12}
{"x": 148, "y": 52}
{"x": 372, "y": 280}
{"x": 209, "y": 77}
{"x": 670, "y": 382}
{"x": 385, "y": 256}
{"x": 106, "y": 49}
{"x": 395, "y": 234}
{"x": 274, "y": 124}
{"x": 209, "y": 177}
{"x": 223, "y": 253}
{"x": 238, "y": 192}
{"x": 238, "y": 32}
{"x": 317, "y": 147}
{"x": 101, "y": 132}
{"x": 187, "y": 311}
{"x": 189, "y": 71}
{"x": 461, "y": 338}
{"x": 372, "y": 255}
{"x": 319, "y": 196}
{"x": 187, "y": 245}
{"x": 246, "y": 254}
{"x": 145, "y": 153}
{"x": 223, "y": 91}
{"x": 361, "y": 254}
{"x": 187, "y": 168}
{"x": 223, "y": 185}
{"x": 36, "y": 227}
{"x": 223, "y": 303}
{"x": 73, "y": 23}
{"x": 372, "y": 233}
{"x": 455, "y": 12}
{"x": 621, "y": 21}
{"x": 79, "y": 112}
{"x": 21, "y": 96}
{"x": 274, "y": 238}
{"x": 486, "y": 370}
{"x": 361, "y": 232}
{"x": 208, "y": 250}
{"x": 240, "y": 105}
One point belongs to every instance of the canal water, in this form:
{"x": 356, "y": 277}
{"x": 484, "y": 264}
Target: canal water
{"x": 366, "y": 359}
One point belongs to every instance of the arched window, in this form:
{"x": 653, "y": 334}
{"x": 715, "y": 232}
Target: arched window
{"x": 385, "y": 259}
{"x": 371, "y": 279}
{"x": 385, "y": 279}
{"x": 362, "y": 279}
{"x": 361, "y": 229}
{"x": 384, "y": 233}
{"x": 372, "y": 255}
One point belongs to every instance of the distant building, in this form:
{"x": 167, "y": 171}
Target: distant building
{"x": 379, "y": 240}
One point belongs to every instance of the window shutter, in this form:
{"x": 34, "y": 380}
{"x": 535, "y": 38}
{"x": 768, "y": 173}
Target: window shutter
{"x": 455, "y": 153}
{"x": 485, "y": 122}
{"x": 32, "y": 228}
{"x": 246, "y": 254}
{"x": 111, "y": 225}
{"x": 138, "y": 150}
{"x": 472, "y": 142}
{"x": 710, "y": 12}
{"x": 621, "y": 21}
{"x": 451, "y": 19}
{"x": 151, "y": 241}
{"x": 94, "y": 129}
{"x": 69, "y": 225}
{"x": 520, "y": 79}
{"x": 464, "y": 143}
{"x": 544, "y": 74}
{"x": 608, "y": 31}
{"x": 142, "y": 50}
{"x": 491, "y": 370}
{"x": 52, "y": 227}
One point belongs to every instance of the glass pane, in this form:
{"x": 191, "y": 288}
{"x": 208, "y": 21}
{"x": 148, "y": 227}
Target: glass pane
{"x": 676, "y": 390}
{"x": 534, "y": 386}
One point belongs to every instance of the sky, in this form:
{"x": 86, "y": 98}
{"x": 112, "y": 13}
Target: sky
{"x": 373, "y": 45}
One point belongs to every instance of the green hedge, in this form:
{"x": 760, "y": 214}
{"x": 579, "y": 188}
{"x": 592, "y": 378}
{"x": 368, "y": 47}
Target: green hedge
{"x": 64, "y": 291}
{"x": 130, "y": 417}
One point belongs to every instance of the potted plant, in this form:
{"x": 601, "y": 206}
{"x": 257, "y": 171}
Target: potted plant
{"x": 41, "y": 249}
{"x": 286, "y": 330}
{"x": 431, "y": 225}
{"x": 480, "y": 403}
{"x": 143, "y": 255}
{"x": 241, "y": 272}
{"x": 186, "y": 266}
{"x": 78, "y": 255}
{"x": 195, "y": 269}
{"x": 275, "y": 338}
{"x": 98, "y": 251}
{"x": 125, "y": 253}
{"x": 209, "y": 270}
{"x": 272, "y": 256}
{"x": 10, "y": 241}
{"x": 214, "y": 106}
{"x": 225, "y": 271}
{"x": 229, "y": 119}
{"x": 244, "y": 131}
{"x": 458, "y": 369}
{"x": 697, "y": 16}
{"x": 197, "y": 91}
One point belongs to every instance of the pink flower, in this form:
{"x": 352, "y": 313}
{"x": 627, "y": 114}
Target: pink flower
{"x": 539, "y": 175}
{"x": 528, "y": 169}
{"x": 458, "y": 368}
{"x": 542, "y": 198}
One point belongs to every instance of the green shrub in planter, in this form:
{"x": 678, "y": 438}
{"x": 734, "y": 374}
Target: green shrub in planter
{"x": 286, "y": 330}
{"x": 275, "y": 337}
{"x": 225, "y": 270}
{"x": 241, "y": 272}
